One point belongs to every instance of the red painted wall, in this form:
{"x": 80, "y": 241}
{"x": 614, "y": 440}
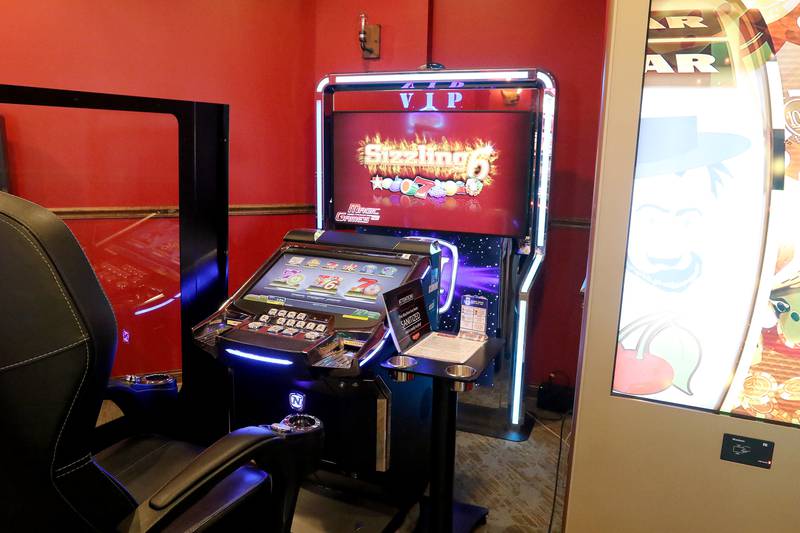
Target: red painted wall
{"x": 250, "y": 54}
{"x": 565, "y": 38}
{"x": 263, "y": 57}
{"x": 403, "y": 35}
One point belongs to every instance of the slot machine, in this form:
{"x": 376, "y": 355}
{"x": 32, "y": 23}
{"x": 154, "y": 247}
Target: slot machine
{"x": 462, "y": 158}
{"x": 307, "y": 332}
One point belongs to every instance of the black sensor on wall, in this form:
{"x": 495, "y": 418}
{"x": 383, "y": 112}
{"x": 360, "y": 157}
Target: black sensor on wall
{"x": 4, "y": 179}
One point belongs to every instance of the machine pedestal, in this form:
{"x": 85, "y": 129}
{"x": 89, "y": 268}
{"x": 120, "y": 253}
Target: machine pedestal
{"x": 466, "y": 517}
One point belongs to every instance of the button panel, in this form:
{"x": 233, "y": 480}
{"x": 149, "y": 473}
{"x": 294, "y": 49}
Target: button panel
{"x": 285, "y": 323}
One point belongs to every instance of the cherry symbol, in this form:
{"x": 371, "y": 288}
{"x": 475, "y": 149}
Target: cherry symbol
{"x": 641, "y": 374}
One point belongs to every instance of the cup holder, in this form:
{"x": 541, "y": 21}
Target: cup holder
{"x": 301, "y": 423}
{"x": 460, "y": 371}
{"x": 401, "y": 361}
{"x": 157, "y": 379}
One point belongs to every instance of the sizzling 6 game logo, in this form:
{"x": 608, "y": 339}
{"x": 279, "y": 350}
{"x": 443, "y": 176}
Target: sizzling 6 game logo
{"x": 428, "y": 169}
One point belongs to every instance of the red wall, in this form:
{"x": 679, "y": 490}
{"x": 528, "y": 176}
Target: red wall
{"x": 565, "y": 38}
{"x": 186, "y": 49}
{"x": 263, "y": 57}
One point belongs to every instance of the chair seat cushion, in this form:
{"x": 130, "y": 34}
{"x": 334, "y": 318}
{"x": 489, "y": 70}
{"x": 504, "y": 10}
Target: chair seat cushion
{"x": 143, "y": 464}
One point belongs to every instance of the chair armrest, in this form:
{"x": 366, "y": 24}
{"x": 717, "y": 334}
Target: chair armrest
{"x": 209, "y": 468}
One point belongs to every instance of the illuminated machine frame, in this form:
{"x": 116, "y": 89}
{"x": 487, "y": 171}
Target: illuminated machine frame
{"x": 710, "y": 444}
{"x": 530, "y": 244}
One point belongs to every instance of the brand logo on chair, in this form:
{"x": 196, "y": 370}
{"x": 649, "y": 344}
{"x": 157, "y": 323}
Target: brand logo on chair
{"x": 297, "y": 401}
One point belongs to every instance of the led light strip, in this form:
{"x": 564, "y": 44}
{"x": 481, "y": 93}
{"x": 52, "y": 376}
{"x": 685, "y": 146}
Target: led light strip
{"x": 374, "y": 350}
{"x": 519, "y": 346}
{"x": 260, "y": 358}
{"x": 454, "y": 251}
{"x": 157, "y": 306}
{"x": 435, "y": 76}
{"x": 319, "y": 163}
{"x": 546, "y": 164}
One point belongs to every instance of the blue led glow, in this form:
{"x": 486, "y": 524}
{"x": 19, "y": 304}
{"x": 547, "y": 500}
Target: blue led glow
{"x": 375, "y": 350}
{"x": 154, "y": 307}
{"x": 260, "y": 358}
{"x": 157, "y": 306}
{"x": 519, "y": 358}
{"x": 519, "y": 351}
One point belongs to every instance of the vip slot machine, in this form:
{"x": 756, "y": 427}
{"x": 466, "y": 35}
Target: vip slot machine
{"x": 307, "y": 332}
{"x": 460, "y": 157}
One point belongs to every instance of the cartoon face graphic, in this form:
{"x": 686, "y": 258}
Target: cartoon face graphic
{"x": 664, "y": 246}
{"x": 681, "y": 175}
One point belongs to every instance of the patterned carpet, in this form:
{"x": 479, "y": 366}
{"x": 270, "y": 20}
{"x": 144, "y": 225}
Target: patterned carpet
{"x": 513, "y": 479}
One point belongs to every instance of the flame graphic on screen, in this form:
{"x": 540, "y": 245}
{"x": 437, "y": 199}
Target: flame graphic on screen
{"x": 438, "y": 159}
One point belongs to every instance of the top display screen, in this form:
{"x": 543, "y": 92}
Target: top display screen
{"x": 460, "y": 170}
{"x": 333, "y": 285}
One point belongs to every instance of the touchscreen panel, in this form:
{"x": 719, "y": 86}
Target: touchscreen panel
{"x": 336, "y": 285}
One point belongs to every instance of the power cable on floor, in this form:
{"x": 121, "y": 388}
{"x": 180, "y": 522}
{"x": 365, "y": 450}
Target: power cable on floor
{"x": 558, "y": 466}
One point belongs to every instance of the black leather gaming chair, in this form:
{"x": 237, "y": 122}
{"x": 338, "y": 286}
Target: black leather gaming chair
{"x": 57, "y": 345}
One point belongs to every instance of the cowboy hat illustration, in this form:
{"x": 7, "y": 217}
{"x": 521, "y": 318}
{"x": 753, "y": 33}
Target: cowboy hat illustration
{"x": 660, "y": 249}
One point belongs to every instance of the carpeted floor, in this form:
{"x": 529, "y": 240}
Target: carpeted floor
{"x": 514, "y": 480}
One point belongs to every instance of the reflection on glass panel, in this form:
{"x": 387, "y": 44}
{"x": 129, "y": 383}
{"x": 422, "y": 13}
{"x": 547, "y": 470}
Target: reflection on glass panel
{"x": 138, "y": 265}
{"x": 701, "y": 199}
{"x": 62, "y": 157}
{"x": 113, "y": 177}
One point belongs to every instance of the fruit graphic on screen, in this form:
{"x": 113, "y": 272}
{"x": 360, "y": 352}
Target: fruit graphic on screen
{"x": 665, "y": 355}
{"x": 291, "y": 278}
{"x": 408, "y": 187}
{"x": 641, "y": 373}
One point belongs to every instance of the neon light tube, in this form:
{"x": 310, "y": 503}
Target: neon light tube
{"x": 153, "y": 308}
{"x": 319, "y": 163}
{"x": 519, "y": 345}
{"x": 519, "y": 358}
{"x": 374, "y": 350}
{"x": 260, "y": 358}
{"x": 434, "y": 76}
{"x": 546, "y": 154}
{"x": 546, "y": 79}
{"x": 531, "y": 274}
{"x": 426, "y": 271}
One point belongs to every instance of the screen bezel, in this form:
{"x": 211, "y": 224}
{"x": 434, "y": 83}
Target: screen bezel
{"x": 257, "y": 308}
{"x": 540, "y": 161}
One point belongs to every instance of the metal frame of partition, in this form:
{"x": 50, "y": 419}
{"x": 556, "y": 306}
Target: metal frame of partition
{"x": 203, "y": 228}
